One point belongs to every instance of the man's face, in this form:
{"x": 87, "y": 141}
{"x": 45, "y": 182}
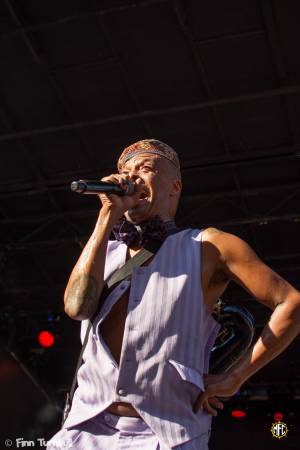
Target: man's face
{"x": 158, "y": 176}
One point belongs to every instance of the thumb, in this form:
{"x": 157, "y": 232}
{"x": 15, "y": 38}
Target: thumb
{"x": 199, "y": 402}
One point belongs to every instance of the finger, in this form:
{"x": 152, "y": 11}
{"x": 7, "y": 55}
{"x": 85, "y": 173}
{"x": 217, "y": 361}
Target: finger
{"x": 216, "y": 402}
{"x": 208, "y": 408}
{"x": 115, "y": 178}
{"x": 120, "y": 180}
{"x": 112, "y": 177}
{"x": 198, "y": 403}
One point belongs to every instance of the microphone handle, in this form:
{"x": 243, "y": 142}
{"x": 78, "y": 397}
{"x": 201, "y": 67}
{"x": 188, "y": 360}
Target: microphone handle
{"x": 96, "y": 187}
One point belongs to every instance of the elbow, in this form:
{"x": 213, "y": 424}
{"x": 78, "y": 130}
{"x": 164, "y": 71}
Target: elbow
{"x": 292, "y": 307}
{"x": 296, "y": 312}
{"x": 75, "y": 312}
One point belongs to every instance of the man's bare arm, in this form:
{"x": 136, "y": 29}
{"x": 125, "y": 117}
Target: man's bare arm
{"x": 241, "y": 264}
{"x": 87, "y": 278}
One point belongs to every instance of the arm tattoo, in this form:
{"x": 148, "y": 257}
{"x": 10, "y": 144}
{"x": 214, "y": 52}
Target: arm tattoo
{"x": 83, "y": 294}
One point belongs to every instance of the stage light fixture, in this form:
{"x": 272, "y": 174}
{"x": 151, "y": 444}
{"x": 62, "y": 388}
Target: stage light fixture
{"x": 46, "y": 339}
{"x": 278, "y": 416}
{"x": 238, "y": 413}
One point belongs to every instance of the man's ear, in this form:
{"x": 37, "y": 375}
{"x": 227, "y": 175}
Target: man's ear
{"x": 176, "y": 187}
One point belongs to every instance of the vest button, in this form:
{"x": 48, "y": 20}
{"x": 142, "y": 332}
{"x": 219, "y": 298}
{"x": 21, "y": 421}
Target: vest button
{"x": 122, "y": 392}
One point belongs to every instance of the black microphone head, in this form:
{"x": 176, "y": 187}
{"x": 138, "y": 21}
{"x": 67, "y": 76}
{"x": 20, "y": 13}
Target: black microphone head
{"x": 96, "y": 187}
{"x": 78, "y": 186}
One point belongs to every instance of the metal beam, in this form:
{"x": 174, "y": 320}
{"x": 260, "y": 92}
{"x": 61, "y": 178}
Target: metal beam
{"x": 46, "y": 73}
{"x": 273, "y": 39}
{"x": 281, "y": 256}
{"x": 90, "y": 213}
{"x": 256, "y": 32}
{"x": 84, "y": 66}
{"x": 123, "y": 72}
{"x": 23, "y": 187}
{"x": 279, "y": 63}
{"x": 82, "y": 15}
{"x": 32, "y": 162}
{"x": 250, "y": 192}
{"x": 180, "y": 14}
{"x": 235, "y": 99}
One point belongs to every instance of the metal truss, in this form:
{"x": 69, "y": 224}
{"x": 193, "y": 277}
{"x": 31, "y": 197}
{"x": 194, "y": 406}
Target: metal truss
{"x": 270, "y": 93}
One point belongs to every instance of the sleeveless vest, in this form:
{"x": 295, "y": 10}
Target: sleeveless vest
{"x": 166, "y": 345}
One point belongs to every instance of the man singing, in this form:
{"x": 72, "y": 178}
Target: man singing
{"x": 144, "y": 381}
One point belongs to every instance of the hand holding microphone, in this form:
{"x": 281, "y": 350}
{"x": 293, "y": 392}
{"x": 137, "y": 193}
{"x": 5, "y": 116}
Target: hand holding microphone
{"x": 114, "y": 191}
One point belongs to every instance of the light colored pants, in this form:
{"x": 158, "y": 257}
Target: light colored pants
{"x": 107, "y": 431}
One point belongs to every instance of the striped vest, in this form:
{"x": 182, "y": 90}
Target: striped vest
{"x": 166, "y": 345}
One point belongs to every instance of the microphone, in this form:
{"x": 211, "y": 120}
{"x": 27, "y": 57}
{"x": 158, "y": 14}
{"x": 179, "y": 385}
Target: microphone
{"x": 96, "y": 187}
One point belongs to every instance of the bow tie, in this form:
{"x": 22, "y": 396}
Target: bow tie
{"x": 153, "y": 231}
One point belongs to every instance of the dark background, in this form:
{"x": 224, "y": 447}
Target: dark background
{"x": 80, "y": 80}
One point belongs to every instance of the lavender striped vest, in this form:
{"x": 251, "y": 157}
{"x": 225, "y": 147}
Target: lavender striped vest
{"x": 166, "y": 346}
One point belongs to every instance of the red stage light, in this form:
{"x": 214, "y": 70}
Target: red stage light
{"x": 238, "y": 413}
{"x": 278, "y": 416}
{"x": 46, "y": 339}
